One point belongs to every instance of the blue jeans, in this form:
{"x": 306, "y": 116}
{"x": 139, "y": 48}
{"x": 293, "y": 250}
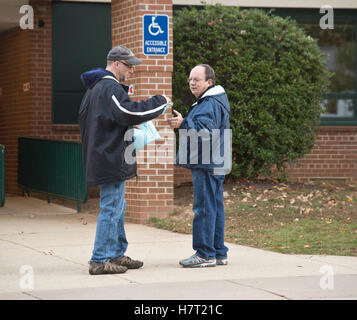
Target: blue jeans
{"x": 110, "y": 239}
{"x": 209, "y": 216}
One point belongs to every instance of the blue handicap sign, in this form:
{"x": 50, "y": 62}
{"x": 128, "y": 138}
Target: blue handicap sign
{"x": 156, "y": 34}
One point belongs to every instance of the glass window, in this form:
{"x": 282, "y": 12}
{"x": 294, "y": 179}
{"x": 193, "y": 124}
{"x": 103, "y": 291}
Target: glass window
{"x": 338, "y": 108}
{"x": 339, "y": 45}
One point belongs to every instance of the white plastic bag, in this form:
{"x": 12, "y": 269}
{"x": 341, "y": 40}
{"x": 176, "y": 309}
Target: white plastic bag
{"x": 146, "y": 134}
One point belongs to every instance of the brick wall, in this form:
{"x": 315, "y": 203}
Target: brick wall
{"x": 14, "y": 101}
{"x": 26, "y": 58}
{"x": 41, "y": 79}
{"x": 334, "y": 156}
{"x": 151, "y": 194}
{"x": 182, "y": 175}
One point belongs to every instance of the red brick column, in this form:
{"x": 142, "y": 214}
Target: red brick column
{"x": 151, "y": 194}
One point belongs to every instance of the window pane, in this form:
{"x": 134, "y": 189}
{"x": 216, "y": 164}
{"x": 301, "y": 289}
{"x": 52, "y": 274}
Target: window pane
{"x": 337, "y": 108}
{"x": 340, "y": 46}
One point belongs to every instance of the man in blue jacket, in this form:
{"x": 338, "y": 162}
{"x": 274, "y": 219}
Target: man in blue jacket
{"x": 207, "y": 126}
{"x": 106, "y": 116}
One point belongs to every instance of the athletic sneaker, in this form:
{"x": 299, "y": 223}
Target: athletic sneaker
{"x": 195, "y": 261}
{"x": 221, "y": 262}
{"x": 128, "y": 262}
{"x": 105, "y": 268}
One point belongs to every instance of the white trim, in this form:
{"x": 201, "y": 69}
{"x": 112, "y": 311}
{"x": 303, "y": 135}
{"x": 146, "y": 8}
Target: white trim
{"x": 143, "y": 113}
{"x": 110, "y": 77}
{"x": 132, "y": 112}
{"x": 212, "y": 92}
{"x": 336, "y": 4}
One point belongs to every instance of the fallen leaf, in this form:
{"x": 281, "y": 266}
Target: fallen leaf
{"x": 48, "y": 253}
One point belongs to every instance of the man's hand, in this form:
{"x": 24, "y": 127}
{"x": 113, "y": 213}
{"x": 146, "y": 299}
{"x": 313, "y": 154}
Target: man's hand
{"x": 168, "y": 100}
{"x": 175, "y": 122}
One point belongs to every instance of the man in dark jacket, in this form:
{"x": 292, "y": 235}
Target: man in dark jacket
{"x": 106, "y": 117}
{"x": 207, "y": 126}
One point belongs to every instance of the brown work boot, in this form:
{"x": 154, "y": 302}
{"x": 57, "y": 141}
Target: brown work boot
{"x": 105, "y": 268}
{"x": 128, "y": 262}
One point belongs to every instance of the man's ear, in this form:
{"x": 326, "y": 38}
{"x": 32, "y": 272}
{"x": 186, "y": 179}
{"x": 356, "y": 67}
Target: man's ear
{"x": 210, "y": 82}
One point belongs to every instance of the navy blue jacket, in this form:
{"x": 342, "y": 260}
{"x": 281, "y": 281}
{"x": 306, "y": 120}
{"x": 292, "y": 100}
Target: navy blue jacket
{"x": 204, "y": 134}
{"x": 105, "y": 115}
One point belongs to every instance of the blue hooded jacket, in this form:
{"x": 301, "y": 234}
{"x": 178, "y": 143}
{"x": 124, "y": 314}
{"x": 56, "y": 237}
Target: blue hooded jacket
{"x": 105, "y": 115}
{"x": 205, "y": 135}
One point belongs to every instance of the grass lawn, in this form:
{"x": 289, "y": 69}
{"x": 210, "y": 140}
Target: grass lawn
{"x": 293, "y": 218}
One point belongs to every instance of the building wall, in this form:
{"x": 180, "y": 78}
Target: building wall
{"x": 333, "y": 157}
{"x": 14, "y": 101}
{"x": 26, "y": 57}
{"x": 341, "y": 4}
{"x": 151, "y": 194}
{"x": 337, "y": 4}
{"x": 41, "y": 79}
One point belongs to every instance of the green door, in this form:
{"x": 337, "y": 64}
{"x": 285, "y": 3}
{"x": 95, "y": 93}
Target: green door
{"x": 81, "y": 39}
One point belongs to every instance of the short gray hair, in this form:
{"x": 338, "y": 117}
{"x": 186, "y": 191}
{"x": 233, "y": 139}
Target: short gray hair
{"x": 109, "y": 63}
{"x": 209, "y": 72}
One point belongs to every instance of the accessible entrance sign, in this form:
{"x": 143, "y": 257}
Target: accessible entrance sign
{"x": 156, "y": 34}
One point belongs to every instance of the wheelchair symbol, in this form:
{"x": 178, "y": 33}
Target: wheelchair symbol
{"x": 156, "y": 26}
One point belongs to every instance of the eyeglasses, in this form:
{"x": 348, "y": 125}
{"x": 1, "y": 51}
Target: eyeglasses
{"x": 130, "y": 66}
{"x": 194, "y": 80}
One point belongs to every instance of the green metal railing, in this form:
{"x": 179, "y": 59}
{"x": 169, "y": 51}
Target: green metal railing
{"x": 52, "y": 167}
{"x": 2, "y": 175}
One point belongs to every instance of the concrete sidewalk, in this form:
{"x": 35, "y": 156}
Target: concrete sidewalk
{"x": 45, "y": 248}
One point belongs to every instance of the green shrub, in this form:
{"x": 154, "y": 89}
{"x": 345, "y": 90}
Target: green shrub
{"x": 274, "y": 74}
